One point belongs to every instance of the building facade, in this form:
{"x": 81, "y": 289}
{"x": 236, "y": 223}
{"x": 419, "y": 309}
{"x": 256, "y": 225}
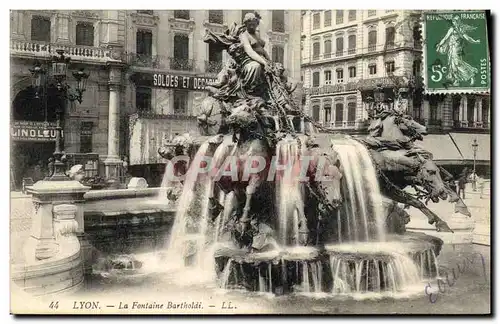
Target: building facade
{"x": 147, "y": 71}
{"x": 346, "y": 54}
{"x": 94, "y": 40}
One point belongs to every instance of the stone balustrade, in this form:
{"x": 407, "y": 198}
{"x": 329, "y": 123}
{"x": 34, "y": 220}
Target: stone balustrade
{"x": 46, "y": 50}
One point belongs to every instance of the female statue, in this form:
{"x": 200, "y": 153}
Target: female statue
{"x": 452, "y": 46}
{"x": 256, "y": 59}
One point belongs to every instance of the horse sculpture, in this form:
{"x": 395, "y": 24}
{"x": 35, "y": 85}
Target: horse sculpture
{"x": 400, "y": 164}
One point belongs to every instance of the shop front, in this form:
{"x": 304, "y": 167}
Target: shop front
{"x": 33, "y": 143}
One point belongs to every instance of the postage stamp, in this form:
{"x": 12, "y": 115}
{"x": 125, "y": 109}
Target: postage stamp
{"x": 456, "y": 55}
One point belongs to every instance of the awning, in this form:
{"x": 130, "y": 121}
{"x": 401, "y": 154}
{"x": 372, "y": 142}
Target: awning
{"x": 464, "y": 143}
{"x": 441, "y": 146}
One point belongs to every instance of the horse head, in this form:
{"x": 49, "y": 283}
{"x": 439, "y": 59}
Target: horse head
{"x": 179, "y": 145}
{"x": 411, "y": 128}
{"x": 429, "y": 177}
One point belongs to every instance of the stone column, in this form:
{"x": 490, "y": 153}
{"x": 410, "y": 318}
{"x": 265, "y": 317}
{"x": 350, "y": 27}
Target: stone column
{"x": 112, "y": 161}
{"x": 17, "y": 25}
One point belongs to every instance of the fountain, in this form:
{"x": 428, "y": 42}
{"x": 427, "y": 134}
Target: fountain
{"x": 265, "y": 208}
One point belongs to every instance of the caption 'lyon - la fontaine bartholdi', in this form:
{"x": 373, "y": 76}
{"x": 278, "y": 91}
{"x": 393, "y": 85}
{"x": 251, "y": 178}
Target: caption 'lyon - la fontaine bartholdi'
{"x": 148, "y": 69}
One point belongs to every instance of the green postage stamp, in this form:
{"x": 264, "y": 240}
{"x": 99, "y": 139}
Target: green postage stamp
{"x": 456, "y": 54}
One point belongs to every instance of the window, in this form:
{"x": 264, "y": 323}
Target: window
{"x": 340, "y": 75}
{"x": 181, "y": 14}
{"x": 352, "y": 71}
{"x": 372, "y": 40}
{"x": 144, "y": 42}
{"x": 372, "y": 13}
{"x": 328, "y": 18}
{"x": 455, "y": 105}
{"x": 328, "y": 48}
{"x": 216, "y": 17}
{"x": 390, "y": 35}
{"x": 143, "y": 99}
{"x": 214, "y": 59}
{"x": 485, "y": 110}
{"x": 86, "y": 137}
{"x": 278, "y": 54}
{"x": 352, "y": 15}
{"x": 390, "y": 67}
{"x": 339, "y": 17}
{"x": 315, "y": 113}
{"x": 278, "y": 21}
{"x": 328, "y": 113}
{"x": 339, "y": 112}
{"x": 416, "y": 67}
{"x": 433, "y": 107}
{"x": 85, "y": 34}
{"x": 145, "y": 12}
{"x": 181, "y": 53}
{"x": 316, "y": 51}
{"x": 351, "y": 111}
{"x": 180, "y": 102}
{"x": 316, "y": 79}
{"x": 340, "y": 46}
{"x": 471, "y": 101}
{"x": 244, "y": 12}
{"x": 351, "y": 44}
{"x": 316, "y": 20}
{"x": 328, "y": 77}
{"x": 40, "y": 29}
{"x": 372, "y": 68}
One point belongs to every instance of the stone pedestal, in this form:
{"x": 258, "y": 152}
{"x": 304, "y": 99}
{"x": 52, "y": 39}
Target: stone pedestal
{"x": 53, "y": 261}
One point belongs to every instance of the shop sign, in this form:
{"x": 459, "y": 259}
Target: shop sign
{"x": 32, "y": 131}
{"x": 172, "y": 81}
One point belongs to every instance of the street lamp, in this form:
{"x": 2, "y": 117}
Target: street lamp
{"x": 59, "y": 69}
{"x": 474, "y": 149}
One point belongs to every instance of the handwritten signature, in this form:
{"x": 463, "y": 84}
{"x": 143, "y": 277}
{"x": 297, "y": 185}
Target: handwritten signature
{"x": 456, "y": 271}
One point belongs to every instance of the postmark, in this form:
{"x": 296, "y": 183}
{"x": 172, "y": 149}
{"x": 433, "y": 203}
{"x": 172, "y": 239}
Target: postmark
{"x": 456, "y": 54}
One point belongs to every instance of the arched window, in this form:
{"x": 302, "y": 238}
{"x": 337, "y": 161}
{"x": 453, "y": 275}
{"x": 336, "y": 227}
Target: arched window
{"x": 351, "y": 111}
{"x": 372, "y": 40}
{"x": 315, "y": 113}
{"x": 328, "y": 48}
{"x": 328, "y": 113}
{"x": 351, "y": 44}
{"x": 390, "y": 36}
{"x": 316, "y": 51}
{"x": 340, "y": 46}
{"x": 339, "y": 112}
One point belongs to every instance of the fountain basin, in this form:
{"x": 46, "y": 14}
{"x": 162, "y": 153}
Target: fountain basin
{"x": 391, "y": 266}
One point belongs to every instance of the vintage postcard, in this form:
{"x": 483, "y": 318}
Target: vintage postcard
{"x": 250, "y": 162}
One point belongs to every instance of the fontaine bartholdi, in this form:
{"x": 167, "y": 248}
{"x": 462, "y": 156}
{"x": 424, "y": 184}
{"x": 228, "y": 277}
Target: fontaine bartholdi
{"x": 270, "y": 205}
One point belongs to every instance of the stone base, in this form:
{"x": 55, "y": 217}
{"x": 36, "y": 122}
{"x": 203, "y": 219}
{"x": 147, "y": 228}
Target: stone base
{"x": 63, "y": 275}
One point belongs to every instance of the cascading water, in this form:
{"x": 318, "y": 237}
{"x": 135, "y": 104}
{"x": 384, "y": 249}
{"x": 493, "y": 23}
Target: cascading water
{"x": 289, "y": 194}
{"x": 364, "y": 212}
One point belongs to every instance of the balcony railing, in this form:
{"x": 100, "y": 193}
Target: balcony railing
{"x": 144, "y": 60}
{"x": 351, "y": 51}
{"x": 182, "y": 64}
{"x": 46, "y": 50}
{"x": 213, "y": 66}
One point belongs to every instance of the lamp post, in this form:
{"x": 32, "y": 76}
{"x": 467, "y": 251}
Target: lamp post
{"x": 40, "y": 80}
{"x": 474, "y": 149}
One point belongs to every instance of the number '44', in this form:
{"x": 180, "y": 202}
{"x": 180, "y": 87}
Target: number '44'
{"x": 54, "y": 305}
